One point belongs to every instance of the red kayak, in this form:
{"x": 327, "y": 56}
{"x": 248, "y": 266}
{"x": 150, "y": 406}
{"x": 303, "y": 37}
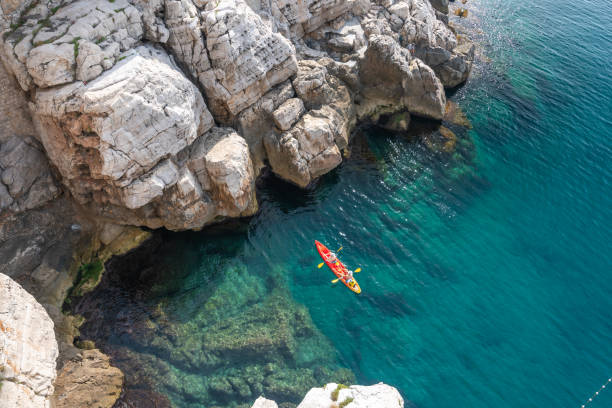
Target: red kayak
{"x": 337, "y": 267}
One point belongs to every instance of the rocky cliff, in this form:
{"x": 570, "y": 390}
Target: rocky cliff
{"x": 163, "y": 113}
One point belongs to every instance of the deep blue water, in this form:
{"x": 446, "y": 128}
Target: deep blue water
{"x": 487, "y": 273}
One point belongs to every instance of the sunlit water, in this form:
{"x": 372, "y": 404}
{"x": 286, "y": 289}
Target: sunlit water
{"x": 487, "y": 272}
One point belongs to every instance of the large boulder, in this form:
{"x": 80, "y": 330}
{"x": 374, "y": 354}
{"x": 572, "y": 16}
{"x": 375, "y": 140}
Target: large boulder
{"x": 312, "y": 146}
{"x": 392, "y": 80}
{"x": 89, "y": 381}
{"x": 358, "y": 396}
{"x": 28, "y": 349}
{"x": 114, "y": 140}
{"x": 223, "y": 166}
{"x": 261, "y": 402}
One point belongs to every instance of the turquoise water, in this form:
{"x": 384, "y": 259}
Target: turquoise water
{"x": 486, "y": 271}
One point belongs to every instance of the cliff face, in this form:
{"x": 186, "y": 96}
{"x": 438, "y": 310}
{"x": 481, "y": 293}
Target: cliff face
{"x": 162, "y": 113}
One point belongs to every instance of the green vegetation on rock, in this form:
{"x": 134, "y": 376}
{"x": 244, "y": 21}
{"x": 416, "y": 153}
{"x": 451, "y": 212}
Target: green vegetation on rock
{"x": 88, "y": 276}
{"x": 344, "y": 403}
{"x": 334, "y": 394}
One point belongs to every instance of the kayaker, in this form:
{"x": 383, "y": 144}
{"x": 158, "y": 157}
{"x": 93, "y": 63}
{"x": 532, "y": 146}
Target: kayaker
{"x": 332, "y": 257}
{"x": 350, "y": 277}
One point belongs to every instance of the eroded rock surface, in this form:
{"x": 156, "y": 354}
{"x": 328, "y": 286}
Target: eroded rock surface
{"x": 28, "y": 349}
{"x": 88, "y": 381}
{"x": 392, "y": 80}
{"x": 312, "y": 146}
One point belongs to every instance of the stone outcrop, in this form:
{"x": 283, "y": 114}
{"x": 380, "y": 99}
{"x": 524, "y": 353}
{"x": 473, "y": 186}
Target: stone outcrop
{"x": 28, "y": 349}
{"x": 357, "y": 396}
{"x": 393, "y": 80}
{"x": 433, "y": 41}
{"x": 312, "y": 146}
{"x": 87, "y": 381}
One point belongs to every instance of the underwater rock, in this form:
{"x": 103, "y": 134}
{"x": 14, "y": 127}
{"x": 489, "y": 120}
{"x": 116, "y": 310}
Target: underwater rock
{"x": 442, "y": 141}
{"x": 455, "y": 115}
{"x": 397, "y": 122}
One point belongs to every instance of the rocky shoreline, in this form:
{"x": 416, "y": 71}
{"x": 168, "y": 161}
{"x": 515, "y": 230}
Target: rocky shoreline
{"x": 118, "y": 115}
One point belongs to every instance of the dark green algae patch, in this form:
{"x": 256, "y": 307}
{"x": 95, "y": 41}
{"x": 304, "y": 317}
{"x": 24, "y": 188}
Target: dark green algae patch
{"x": 218, "y": 336}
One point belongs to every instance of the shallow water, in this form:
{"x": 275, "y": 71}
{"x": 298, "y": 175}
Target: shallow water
{"x": 486, "y": 271}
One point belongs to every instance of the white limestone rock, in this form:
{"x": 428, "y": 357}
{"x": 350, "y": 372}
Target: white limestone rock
{"x": 229, "y": 167}
{"x": 114, "y": 139}
{"x": 294, "y": 19}
{"x": 28, "y": 349}
{"x": 392, "y": 80}
{"x": 288, "y": 113}
{"x": 434, "y": 42}
{"x": 373, "y": 396}
{"x": 261, "y": 402}
{"x": 247, "y": 58}
{"x": 75, "y": 41}
{"x": 256, "y": 121}
{"x": 312, "y": 146}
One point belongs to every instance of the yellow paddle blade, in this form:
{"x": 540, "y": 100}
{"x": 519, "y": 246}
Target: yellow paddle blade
{"x": 320, "y": 265}
{"x": 357, "y": 270}
{"x": 335, "y": 280}
{"x": 339, "y": 249}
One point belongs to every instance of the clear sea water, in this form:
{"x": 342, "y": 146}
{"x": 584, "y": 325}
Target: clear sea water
{"x": 487, "y": 273}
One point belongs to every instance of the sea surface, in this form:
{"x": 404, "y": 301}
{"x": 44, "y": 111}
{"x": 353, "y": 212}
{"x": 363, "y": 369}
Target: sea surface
{"x": 487, "y": 263}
